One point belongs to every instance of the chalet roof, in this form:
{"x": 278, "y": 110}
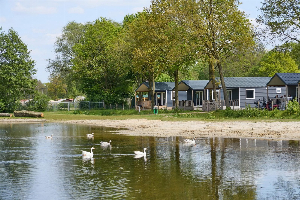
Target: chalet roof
{"x": 159, "y": 86}
{"x": 283, "y": 79}
{"x": 193, "y": 84}
{"x": 245, "y": 82}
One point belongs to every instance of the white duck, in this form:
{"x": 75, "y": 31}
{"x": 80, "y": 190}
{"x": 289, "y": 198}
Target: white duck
{"x": 140, "y": 153}
{"x": 190, "y": 141}
{"x": 90, "y": 135}
{"x": 49, "y": 137}
{"x": 86, "y": 154}
{"x": 104, "y": 144}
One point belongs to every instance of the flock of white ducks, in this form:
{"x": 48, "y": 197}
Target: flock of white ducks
{"x": 138, "y": 154}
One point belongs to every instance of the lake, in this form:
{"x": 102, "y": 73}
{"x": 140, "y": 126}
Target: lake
{"x": 33, "y": 167}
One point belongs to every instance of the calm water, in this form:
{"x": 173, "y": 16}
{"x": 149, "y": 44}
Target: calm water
{"x": 33, "y": 167}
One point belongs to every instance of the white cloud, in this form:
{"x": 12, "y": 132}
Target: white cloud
{"x": 34, "y": 9}
{"x": 76, "y": 10}
{"x": 2, "y": 19}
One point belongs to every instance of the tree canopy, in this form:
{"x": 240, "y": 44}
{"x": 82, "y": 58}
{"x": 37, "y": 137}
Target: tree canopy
{"x": 61, "y": 65}
{"x": 281, "y": 19}
{"x": 16, "y": 71}
{"x": 96, "y": 63}
{"x": 275, "y": 62}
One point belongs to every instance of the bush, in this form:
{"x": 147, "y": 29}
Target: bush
{"x": 293, "y": 108}
{"x": 38, "y": 103}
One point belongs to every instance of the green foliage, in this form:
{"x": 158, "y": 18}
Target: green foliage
{"x": 293, "y": 108}
{"x": 281, "y": 19}
{"x": 38, "y": 103}
{"x": 112, "y": 112}
{"x": 241, "y": 63}
{"x": 57, "y": 89}
{"x": 96, "y": 64}
{"x": 275, "y": 62}
{"x": 17, "y": 69}
{"x": 249, "y": 112}
{"x": 61, "y": 66}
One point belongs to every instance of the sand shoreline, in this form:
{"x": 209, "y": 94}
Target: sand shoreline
{"x": 229, "y": 129}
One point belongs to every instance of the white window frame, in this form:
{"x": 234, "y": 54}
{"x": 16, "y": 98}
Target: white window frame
{"x": 212, "y": 95}
{"x": 173, "y": 95}
{"x": 253, "y": 93}
{"x": 278, "y": 90}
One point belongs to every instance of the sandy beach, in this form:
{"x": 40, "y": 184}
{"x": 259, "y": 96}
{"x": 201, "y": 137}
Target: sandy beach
{"x": 229, "y": 129}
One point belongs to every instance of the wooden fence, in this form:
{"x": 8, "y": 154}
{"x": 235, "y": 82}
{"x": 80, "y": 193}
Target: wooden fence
{"x": 219, "y": 105}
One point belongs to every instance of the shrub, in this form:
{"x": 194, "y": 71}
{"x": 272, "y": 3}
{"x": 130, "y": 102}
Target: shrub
{"x": 293, "y": 108}
{"x": 38, "y": 103}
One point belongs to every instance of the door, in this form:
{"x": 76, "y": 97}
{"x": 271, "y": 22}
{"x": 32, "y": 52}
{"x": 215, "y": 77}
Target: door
{"x": 199, "y": 98}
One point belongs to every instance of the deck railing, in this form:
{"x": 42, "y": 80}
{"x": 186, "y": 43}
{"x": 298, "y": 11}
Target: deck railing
{"x": 219, "y": 105}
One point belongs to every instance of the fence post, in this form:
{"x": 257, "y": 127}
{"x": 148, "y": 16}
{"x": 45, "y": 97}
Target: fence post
{"x": 110, "y": 106}
{"x": 116, "y": 106}
{"x": 68, "y": 106}
{"x": 123, "y": 106}
{"x": 89, "y": 105}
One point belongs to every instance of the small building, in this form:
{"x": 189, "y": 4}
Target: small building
{"x": 289, "y": 81}
{"x": 244, "y": 91}
{"x": 164, "y": 95}
{"x": 195, "y": 93}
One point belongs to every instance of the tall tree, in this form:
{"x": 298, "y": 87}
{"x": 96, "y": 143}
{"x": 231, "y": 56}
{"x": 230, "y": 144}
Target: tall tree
{"x": 16, "y": 71}
{"x": 96, "y": 65}
{"x": 143, "y": 34}
{"x": 281, "y": 19}
{"x": 61, "y": 65}
{"x": 226, "y": 30}
{"x": 177, "y": 46}
{"x": 57, "y": 89}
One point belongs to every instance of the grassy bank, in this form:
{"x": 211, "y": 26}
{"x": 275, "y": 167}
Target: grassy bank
{"x": 176, "y": 115}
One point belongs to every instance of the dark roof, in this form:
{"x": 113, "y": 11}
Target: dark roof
{"x": 287, "y": 78}
{"x": 161, "y": 86}
{"x": 246, "y": 81}
{"x": 243, "y": 82}
{"x": 196, "y": 84}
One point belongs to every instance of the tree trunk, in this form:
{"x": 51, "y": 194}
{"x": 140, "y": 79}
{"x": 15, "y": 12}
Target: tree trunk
{"x": 152, "y": 90}
{"x": 25, "y": 113}
{"x": 223, "y": 85}
{"x": 213, "y": 78}
{"x": 5, "y": 115}
{"x": 176, "y": 89}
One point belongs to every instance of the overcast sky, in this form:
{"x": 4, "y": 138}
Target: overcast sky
{"x": 39, "y": 22}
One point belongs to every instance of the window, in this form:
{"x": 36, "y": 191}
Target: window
{"x": 229, "y": 92}
{"x": 278, "y": 90}
{"x": 173, "y": 95}
{"x": 250, "y": 94}
{"x": 212, "y": 94}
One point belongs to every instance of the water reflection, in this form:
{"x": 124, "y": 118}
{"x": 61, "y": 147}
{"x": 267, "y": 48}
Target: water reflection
{"x": 33, "y": 167}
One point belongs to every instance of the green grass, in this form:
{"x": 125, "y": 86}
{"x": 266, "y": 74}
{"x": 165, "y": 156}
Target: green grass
{"x": 174, "y": 115}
